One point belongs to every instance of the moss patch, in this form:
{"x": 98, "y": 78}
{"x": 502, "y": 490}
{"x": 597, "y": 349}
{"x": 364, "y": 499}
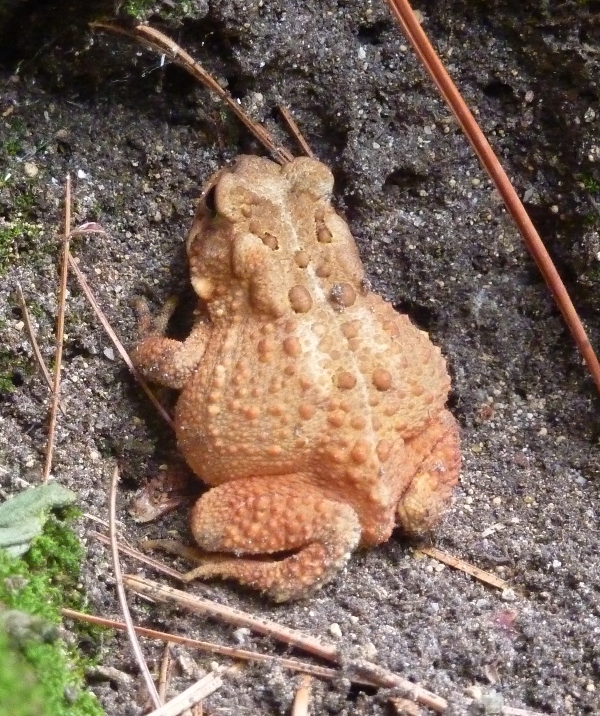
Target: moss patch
{"x": 39, "y": 674}
{"x": 143, "y": 9}
{"x": 15, "y": 235}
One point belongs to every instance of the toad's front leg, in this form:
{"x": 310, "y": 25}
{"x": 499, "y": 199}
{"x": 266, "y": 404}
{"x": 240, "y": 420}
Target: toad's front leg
{"x": 163, "y": 360}
{"x": 297, "y": 538}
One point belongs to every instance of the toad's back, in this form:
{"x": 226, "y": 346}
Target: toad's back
{"x": 305, "y": 369}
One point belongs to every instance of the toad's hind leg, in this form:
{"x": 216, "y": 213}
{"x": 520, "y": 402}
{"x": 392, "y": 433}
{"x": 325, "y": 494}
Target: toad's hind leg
{"x": 261, "y": 517}
{"x": 437, "y": 452}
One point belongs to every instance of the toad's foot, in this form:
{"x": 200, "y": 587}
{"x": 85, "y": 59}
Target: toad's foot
{"x": 430, "y": 491}
{"x": 307, "y": 536}
{"x": 178, "y": 549}
{"x": 163, "y": 360}
{"x": 171, "y": 488}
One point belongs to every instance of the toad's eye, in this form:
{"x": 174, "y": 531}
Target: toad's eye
{"x": 209, "y": 202}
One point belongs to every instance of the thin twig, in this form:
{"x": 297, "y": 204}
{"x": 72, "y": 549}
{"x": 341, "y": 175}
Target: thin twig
{"x": 164, "y": 674}
{"x": 302, "y": 698}
{"x": 32, "y": 339}
{"x": 237, "y": 617}
{"x": 412, "y": 29}
{"x": 321, "y": 672}
{"x": 112, "y": 519}
{"x": 188, "y": 698}
{"x": 95, "y": 518}
{"x": 34, "y": 344}
{"x": 115, "y": 340}
{"x": 364, "y": 669}
{"x": 295, "y": 131}
{"x": 161, "y": 43}
{"x": 141, "y": 557}
{"x": 60, "y": 332}
{"x": 470, "y": 569}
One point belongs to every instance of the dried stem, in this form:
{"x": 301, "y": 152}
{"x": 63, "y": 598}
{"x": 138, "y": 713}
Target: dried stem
{"x": 112, "y": 519}
{"x": 302, "y": 698}
{"x": 412, "y": 29}
{"x": 115, "y": 340}
{"x": 321, "y": 672}
{"x": 60, "y": 332}
{"x": 140, "y": 556}
{"x": 295, "y": 131}
{"x": 32, "y": 339}
{"x": 237, "y": 617}
{"x": 34, "y": 344}
{"x": 161, "y": 43}
{"x": 164, "y": 674}
{"x": 188, "y": 698}
{"x": 465, "y": 567}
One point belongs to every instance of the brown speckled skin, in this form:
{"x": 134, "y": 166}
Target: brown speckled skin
{"x": 313, "y": 409}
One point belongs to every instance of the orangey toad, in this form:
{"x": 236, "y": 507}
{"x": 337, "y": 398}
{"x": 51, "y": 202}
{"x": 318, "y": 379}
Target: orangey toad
{"x": 310, "y": 406}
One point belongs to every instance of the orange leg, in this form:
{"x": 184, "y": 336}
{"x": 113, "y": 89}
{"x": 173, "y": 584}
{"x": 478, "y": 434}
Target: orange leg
{"x": 266, "y": 516}
{"x": 431, "y": 489}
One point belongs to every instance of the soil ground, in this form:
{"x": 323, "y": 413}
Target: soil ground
{"x": 139, "y": 140}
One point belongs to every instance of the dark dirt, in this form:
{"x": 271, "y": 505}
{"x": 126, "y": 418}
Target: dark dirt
{"x": 140, "y": 139}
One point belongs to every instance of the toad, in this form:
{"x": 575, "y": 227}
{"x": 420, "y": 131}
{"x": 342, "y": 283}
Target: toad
{"x": 313, "y": 410}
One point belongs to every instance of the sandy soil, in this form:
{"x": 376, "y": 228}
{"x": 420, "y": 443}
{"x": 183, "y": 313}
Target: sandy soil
{"x": 140, "y": 139}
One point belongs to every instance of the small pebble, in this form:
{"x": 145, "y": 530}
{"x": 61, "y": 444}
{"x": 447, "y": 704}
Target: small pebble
{"x": 473, "y": 692}
{"x": 81, "y": 174}
{"x": 240, "y": 635}
{"x": 497, "y": 501}
{"x": 370, "y": 651}
{"x": 30, "y": 169}
{"x": 335, "y": 631}
{"x": 109, "y": 353}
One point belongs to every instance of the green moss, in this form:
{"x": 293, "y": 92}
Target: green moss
{"x": 15, "y": 235}
{"x": 143, "y": 9}
{"x": 591, "y": 184}
{"x": 20, "y": 693}
{"x": 15, "y": 133}
{"x": 24, "y": 202}
{"x": 10, "y": 362}
{"x": 39, "y": 673}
